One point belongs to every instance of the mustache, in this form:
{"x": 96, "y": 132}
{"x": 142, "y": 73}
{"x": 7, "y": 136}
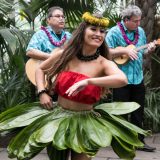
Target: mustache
{"x": 61, "y": 21}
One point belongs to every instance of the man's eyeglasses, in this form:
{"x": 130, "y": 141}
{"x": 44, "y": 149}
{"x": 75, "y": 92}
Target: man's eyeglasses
{"x": 58, "y": 16}
{"x": 135, "y": 21}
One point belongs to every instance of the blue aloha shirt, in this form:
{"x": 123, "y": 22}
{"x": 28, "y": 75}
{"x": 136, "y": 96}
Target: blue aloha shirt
{"x": 132, "y": 69}
{"x": 41, "y": 41}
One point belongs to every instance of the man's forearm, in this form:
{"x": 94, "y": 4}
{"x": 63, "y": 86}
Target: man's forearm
{"x": 37, "y": 54}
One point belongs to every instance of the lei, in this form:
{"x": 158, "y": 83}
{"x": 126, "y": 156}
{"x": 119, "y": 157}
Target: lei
{"x": 51, "y": 39}
{"x": 136, "y": 37}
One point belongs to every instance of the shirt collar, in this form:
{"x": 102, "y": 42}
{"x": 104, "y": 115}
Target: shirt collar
{"x": 52, "y": 31}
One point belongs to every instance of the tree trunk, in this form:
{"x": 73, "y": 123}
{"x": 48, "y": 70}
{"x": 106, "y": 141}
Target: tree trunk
{"x": 155, "y": 81}
{"x": 148, "y": 8}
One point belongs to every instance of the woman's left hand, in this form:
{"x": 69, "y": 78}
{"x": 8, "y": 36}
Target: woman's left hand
{"x": 77, "y": 87}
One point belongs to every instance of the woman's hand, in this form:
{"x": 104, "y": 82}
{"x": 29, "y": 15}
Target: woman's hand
{"x": 46, "y": 101}
{"x": 77, "y": 87}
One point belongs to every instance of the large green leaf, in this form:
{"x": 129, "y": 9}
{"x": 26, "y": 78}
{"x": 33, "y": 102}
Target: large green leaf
{"x": 20, "y": 115}
{"x": 123, "y": 149}
{"x": 61, "y": 135}
{"x": 33, "y": 138}
{"x": 118, "y": 108}
{"x": 101, "y": 137}
{"x": 9, "y": 38}
{"x": 19, "y": 146}
{"x": 122, "y": 129}
{"x": 131, "y": 126}
{"x": 73, "y": 140}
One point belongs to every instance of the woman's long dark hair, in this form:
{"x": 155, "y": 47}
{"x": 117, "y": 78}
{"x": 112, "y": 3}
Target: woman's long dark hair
{"x": 73, "y": 47}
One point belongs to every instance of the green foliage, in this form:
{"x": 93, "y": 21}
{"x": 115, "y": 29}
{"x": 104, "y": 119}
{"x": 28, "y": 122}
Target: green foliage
{"x": 14, "y": 86}
{"x": 73, "y": 9}
{"x": 6, "y": 9}
{"x": 111, "y": 12}
{"x": 113, "y": 19}
{"x": 14, "y": 91}
{"x": 152, "y": 102}
{"x": 152, "y": 99}
{"x": 152, "y": 110}
{"x": 27, "y": 12}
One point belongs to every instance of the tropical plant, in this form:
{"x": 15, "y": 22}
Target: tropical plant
{"x": 14, "y": 87}
{"x": 152, "y": 101}
{"x": 73, "y": 11}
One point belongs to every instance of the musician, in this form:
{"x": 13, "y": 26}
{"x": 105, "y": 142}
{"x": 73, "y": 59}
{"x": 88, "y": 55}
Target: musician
{"x": 128, "y": 32}
{"x": 50, "y": 37}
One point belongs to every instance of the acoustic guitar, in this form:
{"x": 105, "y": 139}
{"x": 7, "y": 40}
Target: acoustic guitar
{"x": 32, "y": 65}
{"x": 30, "y": 68}
{"x": 123, "y": 59}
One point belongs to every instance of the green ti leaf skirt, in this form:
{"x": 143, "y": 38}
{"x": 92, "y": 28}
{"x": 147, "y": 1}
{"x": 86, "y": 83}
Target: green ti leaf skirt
{"x": 82, "y": 131}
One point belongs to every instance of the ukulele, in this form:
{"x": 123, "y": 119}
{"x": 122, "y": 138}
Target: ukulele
{"x": 123, "y": 59}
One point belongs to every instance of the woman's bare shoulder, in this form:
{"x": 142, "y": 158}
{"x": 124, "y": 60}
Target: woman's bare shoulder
{"x": 106, "y": 61}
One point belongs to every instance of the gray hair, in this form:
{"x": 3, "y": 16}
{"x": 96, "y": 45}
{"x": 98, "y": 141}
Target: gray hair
{"x": 52, "y": 9}
{"x": 131, "y": 10}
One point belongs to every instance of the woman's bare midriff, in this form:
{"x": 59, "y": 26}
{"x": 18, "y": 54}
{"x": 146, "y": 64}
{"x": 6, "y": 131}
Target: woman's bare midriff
{"x": 75, "y": 106}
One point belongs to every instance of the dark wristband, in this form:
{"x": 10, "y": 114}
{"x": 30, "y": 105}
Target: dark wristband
{"x": 41, "y": 92}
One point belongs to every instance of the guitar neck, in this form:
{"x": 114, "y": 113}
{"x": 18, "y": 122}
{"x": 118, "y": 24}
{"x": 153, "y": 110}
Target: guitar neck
{"x": 141, "y": 47}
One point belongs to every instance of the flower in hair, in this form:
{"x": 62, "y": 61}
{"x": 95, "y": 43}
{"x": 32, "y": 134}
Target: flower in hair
{"x": 87, "y": 17}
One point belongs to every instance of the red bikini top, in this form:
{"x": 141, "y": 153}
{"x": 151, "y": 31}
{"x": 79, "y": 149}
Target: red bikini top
{"x": 89, "y": 95}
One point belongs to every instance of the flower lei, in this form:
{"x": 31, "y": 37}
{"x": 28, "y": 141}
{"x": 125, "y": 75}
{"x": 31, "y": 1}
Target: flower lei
{"x": 136, "y": 37}
{"x": 87, "y": 17}
{"x": 51, "y": 39}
